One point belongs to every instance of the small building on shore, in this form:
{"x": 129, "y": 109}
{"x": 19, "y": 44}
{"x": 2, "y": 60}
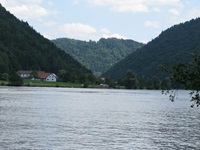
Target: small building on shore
{"x": 45, "y": 76}
{"x": 38, "y": 75}
{"x": 25, "y": 74}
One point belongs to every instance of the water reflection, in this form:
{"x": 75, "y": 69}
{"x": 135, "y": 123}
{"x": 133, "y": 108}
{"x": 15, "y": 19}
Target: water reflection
{"x": 71, "y": 119}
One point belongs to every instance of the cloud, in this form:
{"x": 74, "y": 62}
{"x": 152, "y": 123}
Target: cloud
{"x": 153, "y": 24}
{"x": 86, "y": 32}
{"x": 174, "y": 12}
{"x": 144, "y": 41}
{"x": 131, "y": 5}
{"x": 78, "y": 30}
{"x": 76, "y": 2}
{"x": 99, "y": 2}
{"x": 114, "y": 35}
{"x": 105, "y": 33}
{"x": 120, "y": 5}
{"x": 8, "y": 3}
{"x": 50, "y": 3}
{"x": 162, "y": 2}
{"x": 48, "y": 24}
{"x": 156, "y": 9}
{"x": 27, "y": 10}
{"x": 193, "y": 13}
{"x": 182, "y": 14}
{"x": 30, "y": 11}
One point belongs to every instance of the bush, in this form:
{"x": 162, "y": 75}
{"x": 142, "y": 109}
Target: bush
{"x": 15, "y": 79}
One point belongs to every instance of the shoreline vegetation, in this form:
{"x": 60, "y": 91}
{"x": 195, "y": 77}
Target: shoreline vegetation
{"x": 34, "y": 83}
{"x": 130, "y": 81}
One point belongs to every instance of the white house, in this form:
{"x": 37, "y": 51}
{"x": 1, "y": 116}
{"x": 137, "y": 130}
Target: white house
{"x": 24, "y": 73}
{"x": 44, "y": 76}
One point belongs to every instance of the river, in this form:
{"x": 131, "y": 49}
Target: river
{"x": 34, "y": 118}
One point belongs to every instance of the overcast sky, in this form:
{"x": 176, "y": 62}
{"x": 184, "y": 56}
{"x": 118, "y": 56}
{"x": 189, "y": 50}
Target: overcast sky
{"x": 140, "y": 20}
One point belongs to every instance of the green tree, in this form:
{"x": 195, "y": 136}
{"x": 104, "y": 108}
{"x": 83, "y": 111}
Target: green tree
{"x": 187, "y": 75}
{"x": 99, "y": 80}
{"x": 15, "y": 79}
{"x": 111, "y": 83}
{"x": 34, "y": 74}
{"x": 91, "y": 78}
{"x": 130, "y": 81}
{"x": 149, "y": 84}
{"x": 165, "y": 84}
{"x": 83, "y": 78}
{"x": 142, "y": 83}
{"x": 62, "y": 74}
{"x": 5, "y": 76}
{"x": 156, "y": 83}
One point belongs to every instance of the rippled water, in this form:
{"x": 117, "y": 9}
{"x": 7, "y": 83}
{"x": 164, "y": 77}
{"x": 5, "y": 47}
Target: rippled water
{"x": 96, "y": 119}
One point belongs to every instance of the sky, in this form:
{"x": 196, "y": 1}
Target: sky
{"x": 139, "y": 20}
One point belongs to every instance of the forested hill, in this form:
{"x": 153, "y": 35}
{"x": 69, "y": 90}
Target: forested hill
{"x": 172, "y": 46}
{"x": 21, "y": 47}
{"x": 98, "y": 56}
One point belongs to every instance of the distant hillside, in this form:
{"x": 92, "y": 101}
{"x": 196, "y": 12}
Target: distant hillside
{"x": 21, "y": 47}
{"x": 98, "y": 56}
{"x": 172, "y": 46}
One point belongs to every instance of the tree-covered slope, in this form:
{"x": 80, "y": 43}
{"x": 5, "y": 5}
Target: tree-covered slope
{"x": 172, "y": 46}
{"x": 21, "y": 47}
{"x": 98, "y": 56}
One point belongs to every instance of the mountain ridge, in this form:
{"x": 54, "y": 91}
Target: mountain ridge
{"x": 98, "y": 56}
{"x": 173, "y": 45}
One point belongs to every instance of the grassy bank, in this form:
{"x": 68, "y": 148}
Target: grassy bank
{"x": 34, "y": 83}
{"x": 50, "y": 84}
{"x": 3, "y": 83}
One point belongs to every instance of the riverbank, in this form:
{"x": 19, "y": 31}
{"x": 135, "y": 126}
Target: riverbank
{"x": 34, "y": 83}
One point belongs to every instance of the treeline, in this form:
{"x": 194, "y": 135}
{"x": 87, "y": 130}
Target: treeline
{"x": 65, "y": 76}
{"x": 22, "y": 48}
{"x": 132, "y": 81}
{"x": 98, "y": 56}
{"x": 129, "y": 81}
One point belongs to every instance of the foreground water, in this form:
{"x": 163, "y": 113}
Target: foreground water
{"x": 96, "y": 119}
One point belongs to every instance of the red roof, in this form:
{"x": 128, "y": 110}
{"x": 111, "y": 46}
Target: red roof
{"x": 43, "y": 74}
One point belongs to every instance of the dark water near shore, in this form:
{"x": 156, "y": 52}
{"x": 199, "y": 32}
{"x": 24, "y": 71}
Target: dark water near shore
{"x": 96, "y": 119}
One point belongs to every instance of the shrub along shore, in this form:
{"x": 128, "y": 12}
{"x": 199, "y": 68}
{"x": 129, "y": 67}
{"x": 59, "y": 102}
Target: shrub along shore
{"x": 34, "y": 83}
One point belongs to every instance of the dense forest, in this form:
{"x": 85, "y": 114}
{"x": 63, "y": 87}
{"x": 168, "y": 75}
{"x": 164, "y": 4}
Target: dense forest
{"x": 172, "y": 46}
{"x": 21, "y": 47}
{"x": 98, "y": 56}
